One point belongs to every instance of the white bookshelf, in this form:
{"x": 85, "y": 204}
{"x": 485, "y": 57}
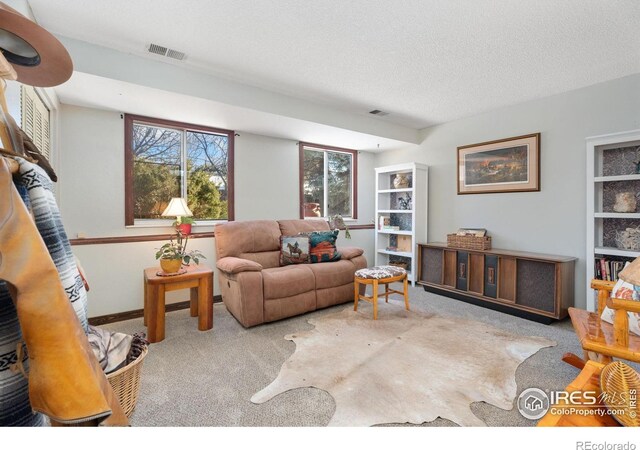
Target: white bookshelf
{"x": 412, "y": 221}
{"x": 597, "y": 212}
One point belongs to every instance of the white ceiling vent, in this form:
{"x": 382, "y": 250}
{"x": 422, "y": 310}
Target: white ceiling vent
{"x": 164, "y": 51}
{"x": 377, "y": 112}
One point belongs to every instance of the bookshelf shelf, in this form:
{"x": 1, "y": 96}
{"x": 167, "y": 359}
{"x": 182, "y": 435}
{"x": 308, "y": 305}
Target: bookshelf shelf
{"x": 389, "y": 191}
{"x": 633, "y": 177}
{"x": 614, "y": 215}
{"x": 390, "y": 252}
{"x": 612, "y": 251}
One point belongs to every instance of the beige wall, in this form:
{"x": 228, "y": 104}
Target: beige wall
{"x": 549, "y": 221}
{"x": 91, "y": 200}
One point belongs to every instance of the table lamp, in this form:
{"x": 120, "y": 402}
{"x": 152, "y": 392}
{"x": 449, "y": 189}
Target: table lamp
{"x": 178, "y": 207}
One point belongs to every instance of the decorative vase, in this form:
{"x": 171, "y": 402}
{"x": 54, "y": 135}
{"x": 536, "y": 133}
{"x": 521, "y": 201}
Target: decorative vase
{"x": 625, "y": 202}
{"x": 185, "y": 228}
{"x": 170, "y": 265}
{"x": 312, "y": 210}
{"x": 401, "y": 181}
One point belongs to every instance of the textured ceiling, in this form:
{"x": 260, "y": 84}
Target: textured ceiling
{"x": 424, "y": 61}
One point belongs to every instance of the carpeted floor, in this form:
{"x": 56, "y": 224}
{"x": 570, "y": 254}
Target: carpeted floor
{"x": 196, "y": 378}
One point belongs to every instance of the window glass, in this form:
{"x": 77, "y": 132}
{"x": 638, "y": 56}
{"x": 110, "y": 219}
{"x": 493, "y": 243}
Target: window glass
{"x": 313, "y": 183}
{"x": 328, "y": 181}
{"x": 339, "y": 183}
{"x": 167, "y": 159}
{"x": 156, "y": 169}
{"x": 207, "y": 175}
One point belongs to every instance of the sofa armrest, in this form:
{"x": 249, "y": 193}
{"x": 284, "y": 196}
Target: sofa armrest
{"x": 231, "y": 264}
{"x": 350, "y": 252}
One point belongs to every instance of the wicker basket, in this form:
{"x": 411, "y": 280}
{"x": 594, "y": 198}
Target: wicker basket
{"x": 125, "y": 383}
{"x": 469, "y": 242}
{"x": 402, "y": 264}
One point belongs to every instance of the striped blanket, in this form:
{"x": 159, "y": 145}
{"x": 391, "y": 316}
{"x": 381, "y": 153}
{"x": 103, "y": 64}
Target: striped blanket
{"x": 36, "y": 190}
{"x": 45, "y": 210}
{"x": 15, "y": 409}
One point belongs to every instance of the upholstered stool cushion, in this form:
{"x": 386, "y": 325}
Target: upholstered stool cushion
{"x": 380, "y": 272}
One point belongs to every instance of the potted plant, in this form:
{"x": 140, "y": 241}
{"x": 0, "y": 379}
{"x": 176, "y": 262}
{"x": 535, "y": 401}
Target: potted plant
{"x": 337, "y": 221}
{"x": 183, "y": 224}
{"x": 174, "y": 253}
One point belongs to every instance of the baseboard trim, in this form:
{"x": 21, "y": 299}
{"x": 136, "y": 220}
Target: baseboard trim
{"x": 136, "y": 313}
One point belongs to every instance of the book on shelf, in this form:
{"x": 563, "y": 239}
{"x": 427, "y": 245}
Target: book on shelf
{"x": 478, "y": 232}
{"x": 608, "y": 269}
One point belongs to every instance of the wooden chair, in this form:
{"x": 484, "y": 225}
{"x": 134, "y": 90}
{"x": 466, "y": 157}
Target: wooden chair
{"x": 602, "y": 341}
{"x": 585, "y": 414}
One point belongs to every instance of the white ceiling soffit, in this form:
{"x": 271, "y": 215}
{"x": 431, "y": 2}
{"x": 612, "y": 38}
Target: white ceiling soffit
{"x": 109, "y": 94}
{"x": 161, "y": 75}
{"x": 423, "y": 61}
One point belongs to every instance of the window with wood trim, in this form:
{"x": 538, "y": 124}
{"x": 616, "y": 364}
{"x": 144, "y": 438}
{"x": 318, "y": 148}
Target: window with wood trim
{"x": 166, "y": 159}
{"x": 328, "y": 181}
{"x": 35, "y": 119}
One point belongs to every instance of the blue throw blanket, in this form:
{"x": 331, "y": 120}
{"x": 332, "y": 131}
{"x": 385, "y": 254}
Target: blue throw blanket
{"x": 36, "y": 190}
{"x": 45, "y": 210}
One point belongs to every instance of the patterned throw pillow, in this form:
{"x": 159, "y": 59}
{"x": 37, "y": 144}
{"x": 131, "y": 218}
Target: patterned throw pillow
{"x": 294, "y": 250}
{"x": 625, "y": 291}
{"x": 323, "y": 246}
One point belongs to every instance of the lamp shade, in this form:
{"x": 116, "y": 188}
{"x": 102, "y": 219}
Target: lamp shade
{"x": 177, "y": 208}
{"x": 631, "y": 273}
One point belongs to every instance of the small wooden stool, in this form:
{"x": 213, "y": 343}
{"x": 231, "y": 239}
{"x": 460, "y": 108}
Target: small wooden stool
{"x": 380, "y": 275}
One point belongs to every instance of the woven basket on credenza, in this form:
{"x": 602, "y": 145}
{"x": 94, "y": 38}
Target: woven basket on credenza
{"x": 469, "y": 242}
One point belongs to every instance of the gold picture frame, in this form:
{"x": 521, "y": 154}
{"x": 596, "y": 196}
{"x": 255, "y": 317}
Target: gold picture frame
{"x": 505, "y": 165}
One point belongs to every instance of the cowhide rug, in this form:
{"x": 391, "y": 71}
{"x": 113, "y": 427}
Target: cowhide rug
{"x": 404, "y": 367}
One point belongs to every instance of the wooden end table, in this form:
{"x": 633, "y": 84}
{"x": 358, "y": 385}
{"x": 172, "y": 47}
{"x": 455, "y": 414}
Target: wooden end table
{"x": 199, "y": 279}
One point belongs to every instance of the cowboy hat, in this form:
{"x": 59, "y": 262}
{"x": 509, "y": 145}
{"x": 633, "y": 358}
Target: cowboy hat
{"x": 37, "y": 56}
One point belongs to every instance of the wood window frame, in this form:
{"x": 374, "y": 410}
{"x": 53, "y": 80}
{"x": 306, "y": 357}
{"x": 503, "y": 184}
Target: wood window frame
{"x": 129, "y": 119}
{"x": 354, "y": 173}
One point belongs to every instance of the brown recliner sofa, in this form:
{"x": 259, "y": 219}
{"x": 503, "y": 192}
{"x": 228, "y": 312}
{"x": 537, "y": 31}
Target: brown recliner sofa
{"x": 256, "y": 289}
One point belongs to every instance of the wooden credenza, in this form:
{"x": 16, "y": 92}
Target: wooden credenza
{"x": 530, "y": 285}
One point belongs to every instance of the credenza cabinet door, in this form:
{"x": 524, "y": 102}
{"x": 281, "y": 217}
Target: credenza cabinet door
{"x": 449, "y": 268}
{"x": 476, "y": 273}
{"x": 536, "y": 285}
{"x": 491, "y": 276}
{"x": 462, "y": 272}
{"x": 507, "y": 279}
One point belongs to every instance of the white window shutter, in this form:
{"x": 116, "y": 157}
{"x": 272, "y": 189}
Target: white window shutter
{"x": 35, "y": 119}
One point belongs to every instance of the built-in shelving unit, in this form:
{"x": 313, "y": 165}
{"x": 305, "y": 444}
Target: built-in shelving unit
{"x": 404, "y": 207}
{"x": 611, "y": 169}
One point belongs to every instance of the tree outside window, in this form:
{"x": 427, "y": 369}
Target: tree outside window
{"x": 171, "y": 159}
{"x": 328, "y": 181}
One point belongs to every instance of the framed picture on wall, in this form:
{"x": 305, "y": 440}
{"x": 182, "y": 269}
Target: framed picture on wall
{"x": 506, "y": 165}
